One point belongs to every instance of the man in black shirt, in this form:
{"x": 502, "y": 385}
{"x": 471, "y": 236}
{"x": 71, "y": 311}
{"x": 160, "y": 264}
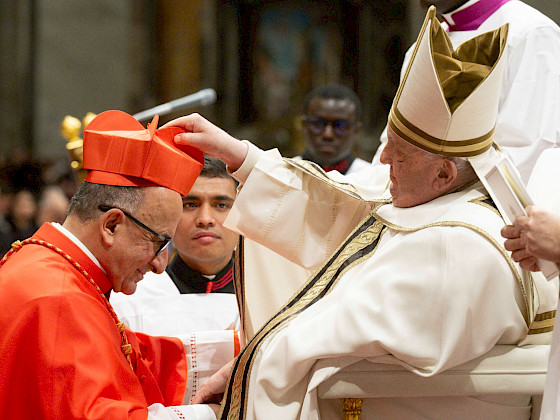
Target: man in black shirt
{"x": 204, "y": 249}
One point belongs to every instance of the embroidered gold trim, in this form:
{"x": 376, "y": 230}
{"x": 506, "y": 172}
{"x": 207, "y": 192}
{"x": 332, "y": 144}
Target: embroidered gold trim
{"x": 482, "y": 233}
{"x": 543, "y": 323}
{"x": 545, "y": 315}
{"x": 239, "y": 278}
{"x": 360, "y": 245}
{"x": 541, "y": 330}
{"x": 482, "y": 201}
{"x": 549, "y": 323}
{"x": 315, "y": 170}
{"x": 464, "y": 148}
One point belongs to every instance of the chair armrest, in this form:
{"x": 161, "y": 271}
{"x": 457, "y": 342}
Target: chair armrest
{"x": 506, "y": 369}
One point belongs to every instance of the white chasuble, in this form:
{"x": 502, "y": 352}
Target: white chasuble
{"x": 428, "y": 288}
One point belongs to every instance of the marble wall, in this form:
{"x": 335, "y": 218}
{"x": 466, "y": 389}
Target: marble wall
{"x": 60, "y": 57}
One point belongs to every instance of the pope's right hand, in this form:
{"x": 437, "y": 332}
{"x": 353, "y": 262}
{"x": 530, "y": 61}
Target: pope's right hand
{"x": 210, "y": 139}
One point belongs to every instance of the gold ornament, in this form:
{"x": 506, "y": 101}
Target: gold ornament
{"x": 352, "y": 408}
{"x": 71, "y": 128}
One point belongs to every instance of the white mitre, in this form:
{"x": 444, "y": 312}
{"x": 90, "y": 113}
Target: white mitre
{"x": 447, "y": 102}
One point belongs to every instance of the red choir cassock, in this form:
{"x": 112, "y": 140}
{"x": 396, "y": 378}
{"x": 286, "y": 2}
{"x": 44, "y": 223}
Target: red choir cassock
{"x": 63, "y": 352}
{"x": 61, "y": 349}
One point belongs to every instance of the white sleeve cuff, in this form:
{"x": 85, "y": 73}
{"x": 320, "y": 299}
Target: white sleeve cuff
{"x": 183, "y": 412}
{"x": 194, "y": 412}
{"x": 253, "y": 155}
{"x": 206, "y": 353}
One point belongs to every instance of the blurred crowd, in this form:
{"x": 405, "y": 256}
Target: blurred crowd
{"x": 32, "y": 191}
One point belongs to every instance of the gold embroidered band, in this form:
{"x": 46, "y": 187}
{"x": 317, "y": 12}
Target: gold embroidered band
{"x": 421, "y": 139}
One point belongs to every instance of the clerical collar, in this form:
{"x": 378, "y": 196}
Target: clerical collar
{"x": 472, "y": 14}
{"x": 188, "y": 280}
{"x": 79, "y": 243}
{"x": 341, "y": 166}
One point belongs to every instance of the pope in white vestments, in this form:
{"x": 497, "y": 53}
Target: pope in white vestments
{"x": 410, "y": 287}
{"x": 419, "y": 279}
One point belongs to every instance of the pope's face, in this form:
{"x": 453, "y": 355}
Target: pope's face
{"x": 330, "y": 127}
{"x": 413, "y": 171}
{"x": 133, "y": 254}
{"x": 201, "y": 240}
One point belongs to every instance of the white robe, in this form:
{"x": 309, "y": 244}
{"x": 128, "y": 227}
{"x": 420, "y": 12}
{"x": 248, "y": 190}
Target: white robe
{"x": 545, "y": 180}
{"x": 260, "y": 262}
{"x": 529, "y": 109}
{"x": 358, "y": 165}
{"x": 157, "y": 308}
{"x": 428, "y": 300}
{"x": 551, "y": 400}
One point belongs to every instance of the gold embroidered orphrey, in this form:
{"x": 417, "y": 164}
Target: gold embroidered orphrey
{"x": 359, "y": 246}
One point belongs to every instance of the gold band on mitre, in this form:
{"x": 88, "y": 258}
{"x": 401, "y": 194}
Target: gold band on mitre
{"x": 447, "y": 102}
{"x": 461, "y": 148}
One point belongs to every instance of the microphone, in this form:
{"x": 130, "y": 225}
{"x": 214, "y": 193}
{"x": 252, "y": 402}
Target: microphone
{"x": 201, "y": 98}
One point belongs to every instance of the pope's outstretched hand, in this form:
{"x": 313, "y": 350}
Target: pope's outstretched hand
{"x": 210, "y": 139}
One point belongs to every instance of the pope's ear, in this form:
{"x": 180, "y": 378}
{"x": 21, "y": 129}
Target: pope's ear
{"x": 446, "y": 175}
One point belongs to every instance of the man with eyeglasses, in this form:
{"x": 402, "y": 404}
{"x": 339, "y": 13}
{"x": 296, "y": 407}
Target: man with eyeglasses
{"x": 195, "y": 293}
{"x": 64, "y": 353}
{"x": 331, "y": 122}
{"x": 330, "y": 125}
{"x": 162, "y": 241}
